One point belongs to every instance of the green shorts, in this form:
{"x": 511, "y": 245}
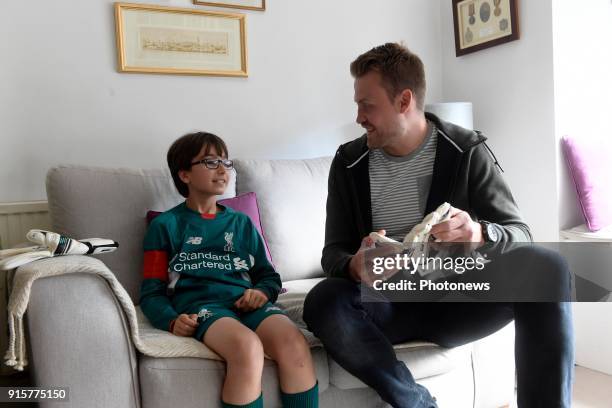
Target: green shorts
{"x": 209, "y": 314}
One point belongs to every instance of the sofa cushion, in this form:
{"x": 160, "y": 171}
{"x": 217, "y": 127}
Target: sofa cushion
{"x": 292, "y": 196}
{"x": 292, "y": 297}
{"x": 245, "y": 203}
{"x": 422, "y": 358}
{"x": 590, "y": 167}
{"x": 197, "y": 382}
{"x": 86, "y": 202}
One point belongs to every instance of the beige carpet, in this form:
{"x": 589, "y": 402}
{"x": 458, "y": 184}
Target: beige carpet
{"x": 592, "y": 389}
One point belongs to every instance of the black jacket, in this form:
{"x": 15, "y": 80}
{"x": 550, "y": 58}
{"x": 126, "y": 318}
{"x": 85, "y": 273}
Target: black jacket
{"x": 466, "y": 174}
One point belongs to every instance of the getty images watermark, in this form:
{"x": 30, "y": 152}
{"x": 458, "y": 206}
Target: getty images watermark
{"x": 387, "y": 266}
{"x": 505, "y": 272}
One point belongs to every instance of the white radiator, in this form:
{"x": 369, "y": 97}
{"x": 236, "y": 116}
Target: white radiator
{"x": 18, "y": 218}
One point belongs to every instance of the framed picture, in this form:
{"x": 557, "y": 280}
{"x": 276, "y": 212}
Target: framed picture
{"x": 481, "y": 24}
{"x": 167, "y": 40}
{"x": 240, "y": 4}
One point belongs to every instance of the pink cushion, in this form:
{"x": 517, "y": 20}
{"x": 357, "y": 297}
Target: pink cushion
{"x": 245, "y": 203}
{"x": 590, "y": 164}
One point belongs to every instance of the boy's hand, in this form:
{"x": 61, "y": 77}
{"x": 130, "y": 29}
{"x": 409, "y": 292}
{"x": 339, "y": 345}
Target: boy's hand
{"x": 185, "y": 325}
{"x": 251, "y": 299}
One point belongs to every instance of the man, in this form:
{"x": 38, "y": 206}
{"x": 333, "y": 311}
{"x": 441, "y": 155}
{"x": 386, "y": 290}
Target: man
{"x": 407, "y": 164}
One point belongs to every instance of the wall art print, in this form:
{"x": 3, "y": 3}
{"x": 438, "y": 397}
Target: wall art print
{"x": 481, "y": 24}
{"x": 168, "y": 40}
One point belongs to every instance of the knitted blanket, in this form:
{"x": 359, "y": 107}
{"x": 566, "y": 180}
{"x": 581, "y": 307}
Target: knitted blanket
{"x": 147, "y": 339}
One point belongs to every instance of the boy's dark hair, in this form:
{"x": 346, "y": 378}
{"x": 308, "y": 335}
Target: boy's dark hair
{"x": 185, "y": 149}
{"x": 399, "y": 69}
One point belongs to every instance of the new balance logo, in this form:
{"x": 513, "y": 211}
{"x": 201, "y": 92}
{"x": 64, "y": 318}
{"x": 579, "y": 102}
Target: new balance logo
{"x": 194, "y": 240}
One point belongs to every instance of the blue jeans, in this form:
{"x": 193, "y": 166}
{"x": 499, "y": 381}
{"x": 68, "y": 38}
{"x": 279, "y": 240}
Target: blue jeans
{"x": 360, "y": 336}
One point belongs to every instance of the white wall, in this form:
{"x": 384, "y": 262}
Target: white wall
{"x": 527, "y": 94}
{"x": 583, "y": 85}
{"x": 511, "y": 88}
{"x": 62, "y": 100}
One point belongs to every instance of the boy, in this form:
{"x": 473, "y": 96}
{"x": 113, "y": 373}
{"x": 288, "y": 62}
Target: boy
{"x": 206, "y": 275}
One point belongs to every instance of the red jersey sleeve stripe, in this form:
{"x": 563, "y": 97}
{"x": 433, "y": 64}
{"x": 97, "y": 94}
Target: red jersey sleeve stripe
{"x": 156, "y": 265}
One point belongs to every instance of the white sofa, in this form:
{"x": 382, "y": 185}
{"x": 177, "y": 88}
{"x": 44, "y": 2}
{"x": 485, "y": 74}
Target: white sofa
{"x": 78, "y": 332}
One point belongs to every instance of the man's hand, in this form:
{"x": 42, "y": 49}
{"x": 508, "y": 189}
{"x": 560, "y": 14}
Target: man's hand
{"x": 185, "y": 325}
{"x": 458, "y": 228}
{"x": 251, "y": 299}
{"x": 356, "y": 264}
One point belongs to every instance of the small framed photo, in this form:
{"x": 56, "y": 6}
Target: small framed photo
{"x": 239, "y": 4}
{"x": 168, "y": 40}
{"x": 481, "y": 24}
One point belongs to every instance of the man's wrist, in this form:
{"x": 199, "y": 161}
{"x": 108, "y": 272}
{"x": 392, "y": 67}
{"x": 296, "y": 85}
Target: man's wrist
{"x": 489, "y": 233}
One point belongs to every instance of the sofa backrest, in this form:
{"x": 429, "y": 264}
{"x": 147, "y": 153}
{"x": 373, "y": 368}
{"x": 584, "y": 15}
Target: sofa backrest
{"x": 291, "y": 195}
{"x": 94, "y": 202}
{"x": 89, "y": 202}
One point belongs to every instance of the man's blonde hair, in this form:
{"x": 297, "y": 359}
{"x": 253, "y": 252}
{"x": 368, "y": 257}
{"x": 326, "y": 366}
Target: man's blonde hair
{"x": 398, "y": 67}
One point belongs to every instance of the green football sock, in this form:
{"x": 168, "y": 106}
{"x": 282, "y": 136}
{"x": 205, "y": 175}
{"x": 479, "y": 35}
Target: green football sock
{"x": 304, "y": 399}
{"x": 258, "y": 403}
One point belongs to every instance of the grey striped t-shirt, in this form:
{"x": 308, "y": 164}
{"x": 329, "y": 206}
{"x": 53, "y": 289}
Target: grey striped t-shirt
{"x": 399, "y": 186}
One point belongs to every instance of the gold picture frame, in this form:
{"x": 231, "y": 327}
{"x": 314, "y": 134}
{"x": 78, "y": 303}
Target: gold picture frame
{"x": 259, "y": 5}
{"x": 481, "y": 24}
{"x": 170, "y": 40}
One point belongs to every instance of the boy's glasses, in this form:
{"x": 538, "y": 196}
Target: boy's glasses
{"x": 214, "y": 163}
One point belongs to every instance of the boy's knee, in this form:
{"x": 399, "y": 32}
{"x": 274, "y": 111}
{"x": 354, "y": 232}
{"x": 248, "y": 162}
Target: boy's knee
{"x": 246, "y": 350}
{"x": 292, "y": 341}
{"x": 292, "y": 348}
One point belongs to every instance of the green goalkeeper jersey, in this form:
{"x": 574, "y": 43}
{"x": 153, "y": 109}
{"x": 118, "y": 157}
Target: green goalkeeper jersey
{"x": 193, "y": 260}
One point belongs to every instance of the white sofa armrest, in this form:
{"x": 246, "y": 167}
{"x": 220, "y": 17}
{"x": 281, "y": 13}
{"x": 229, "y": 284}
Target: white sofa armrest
{"x": 79, "y": 338}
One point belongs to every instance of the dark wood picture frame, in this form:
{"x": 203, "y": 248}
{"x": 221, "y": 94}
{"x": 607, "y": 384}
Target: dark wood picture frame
{"x": 488, "y": 17}
{"x": 261, "y": 6}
